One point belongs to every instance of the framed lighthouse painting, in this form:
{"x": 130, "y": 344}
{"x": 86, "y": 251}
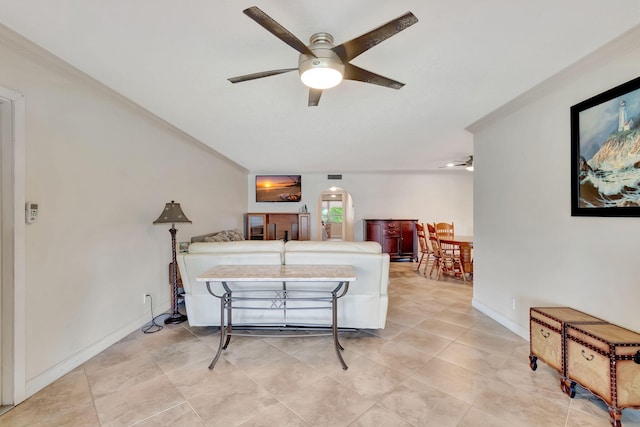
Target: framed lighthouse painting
{"x": 605, "y": 153}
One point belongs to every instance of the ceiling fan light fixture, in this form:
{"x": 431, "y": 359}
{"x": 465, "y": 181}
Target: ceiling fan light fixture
{"x": 324, "y": 70}
{"x": 319, "y": 77}
{"x": 323, "y": 65}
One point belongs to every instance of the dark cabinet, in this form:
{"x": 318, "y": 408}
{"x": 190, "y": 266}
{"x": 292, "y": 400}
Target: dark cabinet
{"x": 396, "y": 236}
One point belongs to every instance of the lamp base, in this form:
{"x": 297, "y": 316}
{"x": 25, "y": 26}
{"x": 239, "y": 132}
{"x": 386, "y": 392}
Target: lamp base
{"x": 175, "y": 318}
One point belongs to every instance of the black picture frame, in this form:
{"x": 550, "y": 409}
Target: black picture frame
{"x": 278, "y": 188}
{"x": 605, "y": 170}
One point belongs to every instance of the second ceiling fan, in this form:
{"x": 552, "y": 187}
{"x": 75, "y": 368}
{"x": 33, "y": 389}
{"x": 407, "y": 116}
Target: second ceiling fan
{"x": 321, "y": 64}
{"x": 468, "y": 164}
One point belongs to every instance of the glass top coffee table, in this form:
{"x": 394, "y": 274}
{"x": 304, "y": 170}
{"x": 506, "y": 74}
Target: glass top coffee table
{"x": 269, "y": 284}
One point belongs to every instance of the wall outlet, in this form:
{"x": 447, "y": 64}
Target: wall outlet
{"x": 144, "y": 297}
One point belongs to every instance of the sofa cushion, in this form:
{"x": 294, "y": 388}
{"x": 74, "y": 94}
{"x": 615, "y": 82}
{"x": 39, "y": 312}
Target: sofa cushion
{"x": 192, "y": 265}
{"x": 220, "y": 236}
{"x": 225, "y": 236}
{"x": 203, "y": 309}
{"x": 335, "y": 246}
{"x": 372, "y": 272}
{"x": 366, "y": 303}
{"x": 237, "y": 247}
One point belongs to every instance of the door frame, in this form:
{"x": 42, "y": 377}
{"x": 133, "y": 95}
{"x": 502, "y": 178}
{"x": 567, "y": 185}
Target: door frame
{"x": 13, "y": 247}
{"x": 347, "y": 213}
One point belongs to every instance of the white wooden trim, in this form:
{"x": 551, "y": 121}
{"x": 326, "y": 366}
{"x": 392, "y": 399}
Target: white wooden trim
{"x": 504, "y": 321}
{"x": 18, "y": 251}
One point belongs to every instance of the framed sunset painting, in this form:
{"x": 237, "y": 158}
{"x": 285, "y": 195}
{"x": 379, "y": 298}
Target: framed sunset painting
{"x": 605, "y": 153}
{"x": 278, "y": 188}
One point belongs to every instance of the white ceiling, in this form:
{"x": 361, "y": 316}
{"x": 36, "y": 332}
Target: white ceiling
{"x": 462, "y": 60}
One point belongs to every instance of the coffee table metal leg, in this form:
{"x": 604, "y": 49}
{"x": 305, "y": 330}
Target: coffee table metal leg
{"x": 334, "y": 327}
{"x": 229, "y": 326}
{"x": 224, "y": 338}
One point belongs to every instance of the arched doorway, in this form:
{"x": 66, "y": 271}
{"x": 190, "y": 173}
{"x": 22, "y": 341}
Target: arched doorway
{"x": 335, "y": 215}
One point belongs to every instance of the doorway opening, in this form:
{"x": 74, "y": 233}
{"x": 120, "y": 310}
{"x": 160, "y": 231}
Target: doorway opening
{"x": 336, "y": 215}
{"x": 12, "y": 248}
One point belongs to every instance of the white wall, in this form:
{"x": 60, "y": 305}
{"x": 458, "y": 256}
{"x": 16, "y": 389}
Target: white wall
{"x": 527, "y": 245}
{"x": 428, "y": 197}
{"x": 101, "y": 171}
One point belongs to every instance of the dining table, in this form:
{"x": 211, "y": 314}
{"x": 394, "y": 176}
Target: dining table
{"x": 465, "y": 246}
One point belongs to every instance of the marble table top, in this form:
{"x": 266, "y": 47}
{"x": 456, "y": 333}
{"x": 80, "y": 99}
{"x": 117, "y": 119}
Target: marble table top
{"x": 278, "y": 273}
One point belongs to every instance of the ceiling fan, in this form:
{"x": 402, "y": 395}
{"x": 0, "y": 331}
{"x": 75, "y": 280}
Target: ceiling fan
{"x": 322, "y": 65}
{"x": 468, "y": 164}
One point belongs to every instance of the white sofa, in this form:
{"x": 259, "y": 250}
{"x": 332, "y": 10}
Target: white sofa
{"x": 364, "y": 306}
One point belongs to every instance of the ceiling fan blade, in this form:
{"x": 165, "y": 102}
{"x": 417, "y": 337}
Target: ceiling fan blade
{"x": 467, "y": 163}
{"x": 259, "y": 75}
{"x": 277, "y": 30}
{"x": 352, "y": 48}
{"x": 314, "y": 97}
{"x": 352, "y": 72}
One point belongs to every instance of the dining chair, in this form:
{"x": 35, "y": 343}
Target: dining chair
{"x": 455, "y": 265}
{"x": 431, "y": 230}
{"x": 437, "y": 263}
{"x": 444, "y": 230}
{"x": 425, "y": 250}
{"x": 446, "y": 262}
{"x": 431, "y": 233}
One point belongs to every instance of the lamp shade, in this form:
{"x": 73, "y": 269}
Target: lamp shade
{"x": 172, "y": 213}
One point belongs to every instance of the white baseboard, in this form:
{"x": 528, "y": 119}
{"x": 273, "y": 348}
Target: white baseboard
{"x": 40, "y": 381}
{"x": 507, "y": 323}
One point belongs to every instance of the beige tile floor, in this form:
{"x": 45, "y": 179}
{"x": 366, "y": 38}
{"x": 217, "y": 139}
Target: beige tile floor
{"x": 438, "y": 362}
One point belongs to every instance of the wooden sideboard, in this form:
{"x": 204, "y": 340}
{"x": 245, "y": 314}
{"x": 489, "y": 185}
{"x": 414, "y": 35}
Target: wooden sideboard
{"x": 274, "y": 226}
{"x": 396, "y": 236}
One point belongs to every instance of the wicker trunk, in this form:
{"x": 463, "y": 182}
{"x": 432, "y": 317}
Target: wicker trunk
{"x": 604, "y": 359}
{"x": 547, "y": 331}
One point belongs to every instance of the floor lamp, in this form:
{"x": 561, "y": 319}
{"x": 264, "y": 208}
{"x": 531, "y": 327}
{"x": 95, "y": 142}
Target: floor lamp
{"x": 172, "y": 213}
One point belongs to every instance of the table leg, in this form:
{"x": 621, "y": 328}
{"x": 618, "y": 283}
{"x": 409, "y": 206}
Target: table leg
{"x": 229, "y": 326}
{"x": 224, "y": 338}
{"x": 334, "y": 327}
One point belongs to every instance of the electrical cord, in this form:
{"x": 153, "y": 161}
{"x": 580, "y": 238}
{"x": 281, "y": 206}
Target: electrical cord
{"x": 148, "y": 327}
